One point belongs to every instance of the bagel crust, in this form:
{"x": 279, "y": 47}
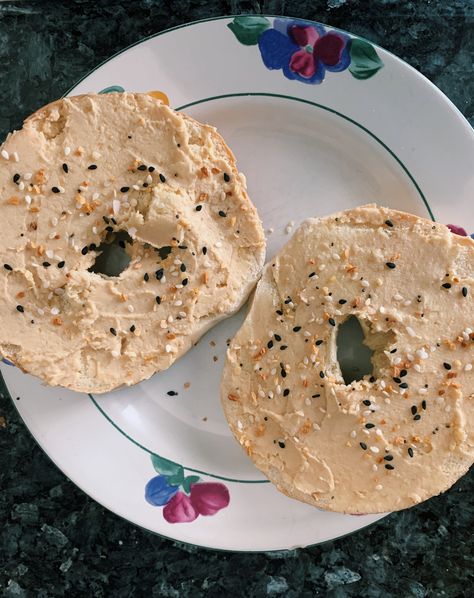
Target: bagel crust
{"x": 83, "y": 169}
{"x": 387, "y": 441}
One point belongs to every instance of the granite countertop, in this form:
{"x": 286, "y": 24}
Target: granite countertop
{"x": 55, "y": 540}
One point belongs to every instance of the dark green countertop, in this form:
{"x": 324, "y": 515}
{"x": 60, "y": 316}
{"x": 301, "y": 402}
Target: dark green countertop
{"x": 55, "y": 540}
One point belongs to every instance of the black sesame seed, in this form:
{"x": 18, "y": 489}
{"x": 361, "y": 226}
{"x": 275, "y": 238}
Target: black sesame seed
{"x": 388, "y": 457}
{"x": 296, "y": 328}
{"x": 92, "y": 167}
{"x": 417, "y": 417}
{"x": 369, "y": 426}
{"x": 319, "y": 342}
{"x": 46, "y": 264}
{"x": 410, "y": 452}
{"x": 403, "y": 385}
{"x": 54, "y": 189}
{"x": 20, "y": 308}
{"x": 283, "y": 347}
{"x": 423, "y": 405}
{"x": 158, "y": 299}
{"x": 446, "y": 285}
{"x": 321, "y": 374}
{"x": 145, "y": 185}
{"x": 403, "y": 373}
{"x": 372, "y": 379}
{"x": 172, "y": 393}
{"x": 315, "y": 396}
{"x": 109, "y": 229}
{"x": 287, "y": 301}
{"x": 332, "y": 322}
{"x": 342, "y": 301}
{"x": 113, "y": 221}
{"x": 281, "y": 444}
{"x": 146, "y": 277}
{"x": 389, "y": 223}
{"x": 132, "y": 328}
{"x": 279, "y": 312}
{"x": 198, "y": 208}
{"x": 164, "y": 251}
{"x": 113, "y": 331}
{"x": 16, "y": 178}
{"x": 7, "y": 267}
{"x": 105, "y": 219}
{"x": 204, "y": 250}
{"x": 184, "y": 282}
{"x": 363, "y": 446}
{"x": 159, "y": 273}
{"x": 396, "y": 379}
{"x": 84, "y": 250}
{"x": 183, "y": 267}
{"x": 226, "y": 177}
{"x": 61, "y": 264}
{"x": 464, "y": 291}
{"x": 183, "y": 247}
{"x": 393, "y": 351}
{"x": 277, "y": 337}
{"x": 141, "y": 167}
{"x": 124, "y": 189}
{"x": 162, "y": 178}
{"x": 390, "y": 265}
{"x": 222, "y": 214}
{"x": 286, "y": 392}
{"x": 366, "y": 402}
{"x": 389, "y": 466}
{"x": 414, "y": 409}
{"x": 65, "y": 168}
{"x": 151, "y": 168}
{"x": 312, "y": 274}
{"x": 447, "y": 366}
{"x": 283, "y": 373}
{"x": 270, "y": 344}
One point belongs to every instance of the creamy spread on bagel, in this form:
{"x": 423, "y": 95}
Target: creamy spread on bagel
{"x": 390, "y": 439}
{"x": 83, "y": 169}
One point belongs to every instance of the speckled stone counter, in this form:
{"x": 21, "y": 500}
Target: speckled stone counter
{"x": 56, "y": 541}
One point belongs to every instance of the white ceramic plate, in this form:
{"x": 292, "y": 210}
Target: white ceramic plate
{"x": 334, "y": 123}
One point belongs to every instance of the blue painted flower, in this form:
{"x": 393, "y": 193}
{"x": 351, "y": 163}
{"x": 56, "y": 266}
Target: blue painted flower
{"x": 304, "y": 51}
{"x": 158, "y": 492}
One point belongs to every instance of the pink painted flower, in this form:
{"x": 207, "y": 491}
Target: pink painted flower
{"x": 180, "y": 509}
{"x": 457, "y": 230}
{"x": 209, "y": 497}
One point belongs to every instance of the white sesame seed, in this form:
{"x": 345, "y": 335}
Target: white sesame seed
{"x": 422, "y": 354}
{"x": 367, "y": 412}
{"x": 95, "y": 196}
{"x": 149, "y": 179}
{"x": 407, "y": 303}
{"x": 417, "y": 367}
{"x": 278, "y": 389}
{"x": 375, "y": 449}
{"x": 21, "y": 185}
{"x": 374, "y": 467}
{"x": 397, "y": 360}
{"x": 382, "y": 384}
{"x": 468, "y": 367}
{"x": 16, "y": 157}
{"x": 27, "y": 176}
{"x": 439, "y": 400}
{"x": 116, "y": 206}
{"x": 410, "y": 331}
{"x": 163, "y": 324}
{"x": 61, "y": 189}
{"x": 130, "y": 308}
{"x": 353, "y": 434}
{"x": 5, "y": 154}
{"x": 49, "y": 253}
{"x": 94, "y": 230}
{"x": 239, "y": 425}
{"x": 422, "y": 391}
{"x": 307, "y": 333}
{"x": 115, "y": 353}
{"x": 378, "y": 432}
{"x": 178, "y": 303}
{"x": 218, "y": 244}
{"x": 52, "y": 235}
{"x": 67, "y": 151}
{"x": 387, "y": 401}
{"x": 365, "y": 283}
{"x": 170, "y": 319}
{"x": 132, "y": 231}
{"x": 96, "y": 155}
{"x": 168, "y": 348}
{"x": 261, "y": 393}
{"x": 182, "y": 314}
{"x": 366, "y": 432}
{"x": 40, "y": 311}
{"x": 379, "y": 487}
{"x": 54, "y": 311}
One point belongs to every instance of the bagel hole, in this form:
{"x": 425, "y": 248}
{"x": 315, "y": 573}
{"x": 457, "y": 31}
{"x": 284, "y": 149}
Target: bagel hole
{"x": 353, "y": 354}
{"x": 111, "y": 256}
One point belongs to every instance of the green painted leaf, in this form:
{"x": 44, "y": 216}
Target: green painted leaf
{"x": 177, "y": 479}
{"x": 166, "y": 468}
{"x": 365, "y": 61}
{"x": 112, "y": 89}
{"x": 247, "y": 29}
{"x": 188, "y": 480}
